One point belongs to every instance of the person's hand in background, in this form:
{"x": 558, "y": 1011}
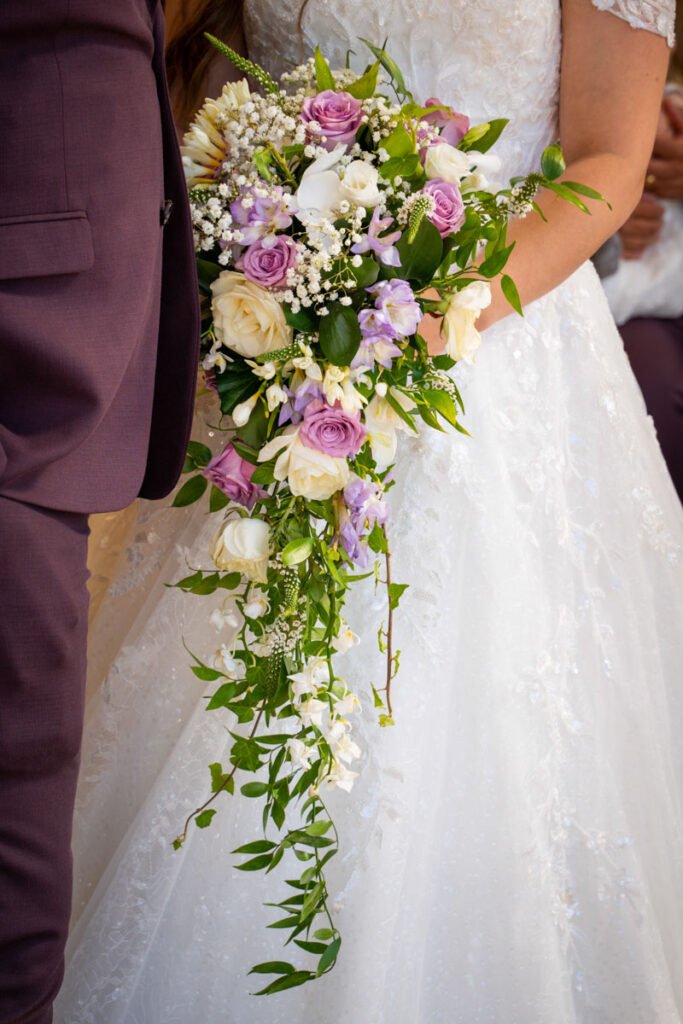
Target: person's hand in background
{"x": 665, "y": 172}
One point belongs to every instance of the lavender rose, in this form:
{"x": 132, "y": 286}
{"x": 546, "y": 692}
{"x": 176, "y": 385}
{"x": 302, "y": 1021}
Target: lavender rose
{"x": 449, "y": 211}
{"x": 331, "y": 430}
{"x": 232, "y": 474}
{"x": 454, "y": 126}
{"x": 337, "y": 114}
{"x": 267, "y": 261}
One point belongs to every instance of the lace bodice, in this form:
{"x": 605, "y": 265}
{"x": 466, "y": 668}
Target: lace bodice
{"x": 490, "y": 59}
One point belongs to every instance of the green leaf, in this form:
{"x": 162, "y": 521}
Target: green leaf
{"x": 255, "y": 432}
{"x": 255, "y": 863}
{"x": 364, "y": 275}
{"x": 208, "y": 675}
{"x": 318, "y": 828}
{"x": 324, "y": 934}
{"x": 289, "y": 981}
{"x": 365, "y": 86}
{"x": 586, "y": 190}
{"x": 273, "y": 967}
{"x": 191, "y": 491}
{"x": 329, "y": 956}
{"x": 207, "y": 585}
{"x": 421, "y": 257}
{"x": 297, "y": 551}
{"x": 203, "y": 820}
{"x": 444, "y": 405}
{"x": 552, "y": 162}
{"x": 390, "y": 66}
{"x": 492, "y": 266}
{"x": 305, "y": 320}
{"x": 201, "y": 453}
{"x": 377, "y": 540}
{"x": 252, "y": 789}
{"x": 563, "y": 192}
{"x": 400, "y": 411}
{"x": 235, "y": 384}
{"x": 262, "y": 160}
{"x": 401, "y": 166}
{"x": 207, "y": 272}
{"x": 340, "y": 334}
{"x": 311, "y": 947}
{"x": 376, "y": 699}
{"x": 258, "y": 846}
{"x": 223, "y": 695}
{"x": 230, "y": 581}
{"x": 399, "y": 143}
{"x": 509, "y": 289}
{"x": 482, "y": 136}
{"x": 263, "y": 474}
{"x": 220, "y": 782}
{"x": 323, "y": 75}
{"x": 217, "y": 499}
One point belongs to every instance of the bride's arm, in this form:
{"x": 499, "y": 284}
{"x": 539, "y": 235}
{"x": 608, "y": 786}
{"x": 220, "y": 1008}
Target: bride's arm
{"x": 611, "y": 85}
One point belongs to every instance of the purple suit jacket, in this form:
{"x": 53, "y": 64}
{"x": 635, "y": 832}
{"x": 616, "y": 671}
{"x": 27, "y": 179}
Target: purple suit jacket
{"x": 98, "y": 312}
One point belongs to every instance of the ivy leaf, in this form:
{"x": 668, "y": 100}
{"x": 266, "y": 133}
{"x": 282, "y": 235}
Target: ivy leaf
{"x": 323, "y": 75}
{"x": 396, "y": 591}
{"x": 191, "y": 491}
{"x": 340, "y": 334}
{"x": 203, "y": 820}
{"x": 297, "y": 551}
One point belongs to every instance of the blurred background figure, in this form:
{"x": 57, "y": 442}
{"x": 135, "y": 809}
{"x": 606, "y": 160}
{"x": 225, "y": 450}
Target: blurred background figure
{"x": 642, "y": 270}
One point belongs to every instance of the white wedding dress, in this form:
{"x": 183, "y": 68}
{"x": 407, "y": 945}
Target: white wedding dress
{"x": 512, "y": 852}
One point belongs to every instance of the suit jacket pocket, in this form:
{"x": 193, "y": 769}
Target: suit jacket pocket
{"x": 45, "y": 244}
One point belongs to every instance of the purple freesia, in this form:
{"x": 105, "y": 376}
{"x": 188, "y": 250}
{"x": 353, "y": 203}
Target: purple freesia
{"x": 383, "y": 247}
{"x": 267, "y": 261}
{"x": 329, "y": 429}
{"x": 261, "y": 215}
{"x": 232, "y": 474}
{"x": 449, "y": 211}
{"x": 335, "y": 115}
{"x": 377, "y": 340}
{"x": 454, "y": 126}
{"x": 299, "y": 398}
{"x": 363, "y": 506}
{"x": 395, "y": 299}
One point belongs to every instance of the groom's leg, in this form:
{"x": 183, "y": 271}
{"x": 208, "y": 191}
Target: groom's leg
{"x": 43, "y": 621}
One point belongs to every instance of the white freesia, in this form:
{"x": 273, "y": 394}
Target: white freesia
{"x": 310, "y": 473}
{"x": 382, "y": 422}
{"x": 446, "y": 162}
{"x": 311, "y": 711}
{"x": 341, "y": 777}
{"x": 342, "y": 746}
{"x": 306, "y": 363}
{"x": 461, "y": 336}
{"x": 275, "y": 395}
{"x": 224, "y": 616}
{"x": 247, "y": 319}
{"x": 320, "y": 191}
{"x": 345, "y": 641}
{"x": 299, "y": 753}
{"x": 243, "y": 545}
{"x": 242, "y": 412}
{"x": 360, "y": 184}
{"x": 256, "y": 607}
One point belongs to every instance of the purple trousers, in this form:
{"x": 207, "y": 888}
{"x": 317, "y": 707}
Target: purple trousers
{"x": 42, "y": 672}
{"x": 655, "y": 349}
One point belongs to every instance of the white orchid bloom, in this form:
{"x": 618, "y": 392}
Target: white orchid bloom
{"x": 345, "y": 641}
{"x": 311, "y": 712}
{"x": 341, "y": 777}
{"x": 316, "y": 671}
{"x": 299, "y": 753}
{"x": 320, "y": 193}
{"x": 256, "y": 607}
{"x": 347, "y": 704}
{"x": 224, "y": 616}
{"x": 224, "y": 662}
{"x": 342, "y": 746}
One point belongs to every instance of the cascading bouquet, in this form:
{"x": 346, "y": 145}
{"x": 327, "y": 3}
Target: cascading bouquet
{"x": 329, "y": 219}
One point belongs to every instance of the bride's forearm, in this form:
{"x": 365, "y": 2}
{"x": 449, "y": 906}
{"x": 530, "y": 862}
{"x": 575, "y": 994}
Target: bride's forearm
{"x": 546, "y": 253}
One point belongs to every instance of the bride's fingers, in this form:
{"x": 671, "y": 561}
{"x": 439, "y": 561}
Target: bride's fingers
{"x": 430, "y": 329}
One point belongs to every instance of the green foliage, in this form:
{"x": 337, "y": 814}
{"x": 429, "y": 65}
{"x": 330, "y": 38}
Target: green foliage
{"x": 340, "y": 334}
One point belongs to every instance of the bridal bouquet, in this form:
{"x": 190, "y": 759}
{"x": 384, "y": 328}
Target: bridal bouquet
{"x": 329, "y": 219}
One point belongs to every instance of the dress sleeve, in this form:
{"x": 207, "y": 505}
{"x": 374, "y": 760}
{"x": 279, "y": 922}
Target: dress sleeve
{"x": 658, "y": 16}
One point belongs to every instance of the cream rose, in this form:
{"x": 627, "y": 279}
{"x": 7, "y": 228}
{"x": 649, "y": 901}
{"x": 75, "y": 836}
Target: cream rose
{"x": 243, "y": 545}
{"x": 447, "y": 162}
{"x": 310, "y": 473}
{"x": 381, "y": 422}
{"x": 360, "y": 184}
{"x": 457, "y": 328}
{"x": 247, "y": 319}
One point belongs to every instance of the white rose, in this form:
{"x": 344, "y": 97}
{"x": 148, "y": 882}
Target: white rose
{"x": 320, "y": 190}
{"x": 243, "y": 545}
{"x": 360, "y": 184}
{"x": 446, "y": 162}
{"x": 457, "y": 328}
{"x": 310, "y": 473}
{"x": 381, "y": 423}
{"x": 247, "y": 319}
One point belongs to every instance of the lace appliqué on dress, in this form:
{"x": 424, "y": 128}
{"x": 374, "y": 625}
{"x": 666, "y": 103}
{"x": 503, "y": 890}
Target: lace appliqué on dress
{"x": 658, "y": 16}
